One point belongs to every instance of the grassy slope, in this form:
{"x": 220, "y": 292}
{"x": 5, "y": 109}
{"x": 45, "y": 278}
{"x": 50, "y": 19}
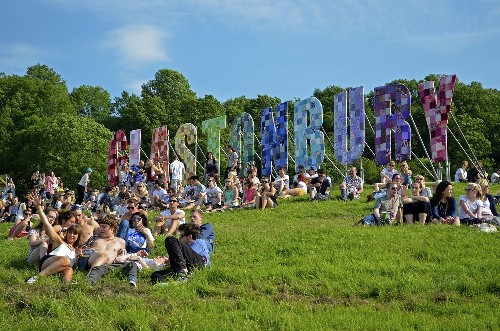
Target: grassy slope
{"x": 300, "y": 266}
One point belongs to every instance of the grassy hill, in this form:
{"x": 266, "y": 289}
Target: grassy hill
{"x": 302, "y": 266}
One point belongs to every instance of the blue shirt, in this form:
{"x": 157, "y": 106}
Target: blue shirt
{"x": 207, "y": 233}
{"x": 200, "y": 247}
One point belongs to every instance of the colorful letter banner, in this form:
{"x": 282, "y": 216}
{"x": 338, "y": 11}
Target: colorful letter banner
{"x": 241, "y": 137}
{"x": 313, "y": 110}
{"x": 385, "y": 121}
{"x": 357, "y": 125}
{"x": 159, "y": 149}
{"x": 212, "y": 128}
{"x": 437, "y": 111}
{"x": 135, "y": 147}
{"x": 274, "y": 147}
{"x": 117, "y": 144}
{"x": 186, "y": 132}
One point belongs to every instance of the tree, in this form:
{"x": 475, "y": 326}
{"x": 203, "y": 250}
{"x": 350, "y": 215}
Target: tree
{"x": 92, "y": 101}
{"x": 66, "y": 144}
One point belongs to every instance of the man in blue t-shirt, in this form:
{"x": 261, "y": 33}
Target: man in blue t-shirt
{"x": 206, "y": 230}
{"x": 184, "y": 254}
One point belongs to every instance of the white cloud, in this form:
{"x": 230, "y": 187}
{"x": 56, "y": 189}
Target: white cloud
{"x": 138, "y": 44}
{"x": 15, "y": 58}
{"x": 134, "y": 86}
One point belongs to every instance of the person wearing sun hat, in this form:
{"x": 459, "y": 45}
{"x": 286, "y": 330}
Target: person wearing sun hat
{"x": 82, "y": 186}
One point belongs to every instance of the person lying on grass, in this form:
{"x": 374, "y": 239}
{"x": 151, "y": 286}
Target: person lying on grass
{"x": 64, "y": 251}
{"x": 105, "y": 246}
{"x": 184, "y": 254}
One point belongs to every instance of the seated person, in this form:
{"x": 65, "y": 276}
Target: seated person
{"x": 319, "y": 187}
{"x": 301, "y": 170}
{"x": 159, "y": 193}
{"x": 426, "y": 192}
{"x": 387, "y": 208}
{"x": 249, "y": 192}
{"x": 136, "y": 233}
{"x": 184, "y": 254}
{"x": 213, "y": 195}
{"x": 89, "y": 225}
{"x": 415, "y": 206}
{"x": 169, "y": 220}
{"x": 282, "y": 182}
{"x": 489, "y": 208}
{"x": 461, "y": 173}
{"x": 405, "y": 173}
{"x": 301, "y": 188}
{"x": 199, "y": 194}
{"x": 39, "y": 240}
{"x": 495, "y": 177}
{"x": 471, "y": 205}
{"x": 265, "y": 197}
{"x": 231, "y": 196}
{"x": 476, "y": 172}
{"x": 64, "y": 252}
{"x": 206, "y": 229}
{"x": 443, "y": 205}
{"x": 352, "y": 186}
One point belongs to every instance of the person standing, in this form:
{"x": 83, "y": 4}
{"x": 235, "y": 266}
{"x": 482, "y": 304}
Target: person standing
{"x": 82, "y": 186}
{"x": 177, "y": 171}
{"x": 232, "y": 161}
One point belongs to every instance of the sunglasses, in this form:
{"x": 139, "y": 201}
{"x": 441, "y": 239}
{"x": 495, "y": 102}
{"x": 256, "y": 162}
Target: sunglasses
{"x": 469, "y": 189}
{"x": 136, "y": 219}
{"x": 174, "y": 201}
{"x": 130, "y": 207}
{"x": 394, "y": 188}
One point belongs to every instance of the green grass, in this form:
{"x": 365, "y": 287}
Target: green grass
{"x": 302, "y": 266}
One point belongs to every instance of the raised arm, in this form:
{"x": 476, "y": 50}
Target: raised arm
{"x": 49, "y": 230}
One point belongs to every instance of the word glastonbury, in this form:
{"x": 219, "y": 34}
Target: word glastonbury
{"x": 308, "y": 137}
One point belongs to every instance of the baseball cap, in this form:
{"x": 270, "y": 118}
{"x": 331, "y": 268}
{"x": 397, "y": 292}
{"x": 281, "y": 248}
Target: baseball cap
{"x": 313, "y": 168}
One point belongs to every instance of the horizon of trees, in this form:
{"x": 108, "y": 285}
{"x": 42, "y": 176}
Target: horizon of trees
{"x": 47, "y": 127}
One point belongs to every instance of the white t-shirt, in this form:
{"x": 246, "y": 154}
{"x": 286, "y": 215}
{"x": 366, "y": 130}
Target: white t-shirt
{"x": 160, "y": 192}
{"x": 84, "y": 181}
{"x": 177, "y": 212}
{"x": 177, "y": 167}
{"x": 472, "y": 205}
{"x": 495, "y": 178}
{"x": 389, "y": 173}
{"x": 457, "y": 174}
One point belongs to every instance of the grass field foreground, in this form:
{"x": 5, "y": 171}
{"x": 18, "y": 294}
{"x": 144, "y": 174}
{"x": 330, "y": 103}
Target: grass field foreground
{"x": 302, "y": 266}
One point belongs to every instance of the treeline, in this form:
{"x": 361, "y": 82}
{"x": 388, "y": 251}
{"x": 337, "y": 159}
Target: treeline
{"x": 46, "y": 127}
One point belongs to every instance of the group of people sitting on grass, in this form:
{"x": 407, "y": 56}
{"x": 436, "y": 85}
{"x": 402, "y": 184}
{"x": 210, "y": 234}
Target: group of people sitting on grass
{"x": 395, "y": 205}
{"x": 63, "y": 240}
{"x": 116, "y": 231}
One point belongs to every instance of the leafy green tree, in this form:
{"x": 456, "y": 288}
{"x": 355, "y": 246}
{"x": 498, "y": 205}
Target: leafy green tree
{"x": 92, "y": 101}
{"x": 66, "y": 144}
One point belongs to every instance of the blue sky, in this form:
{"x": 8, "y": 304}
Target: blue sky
{"x": 230, "y": 48}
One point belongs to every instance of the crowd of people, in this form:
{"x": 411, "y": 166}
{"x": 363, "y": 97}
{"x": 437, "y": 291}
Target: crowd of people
{"x": 100, "y": 230}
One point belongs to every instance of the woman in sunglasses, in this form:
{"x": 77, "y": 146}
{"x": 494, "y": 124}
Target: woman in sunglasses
{"x": 266, "y": 195}
{"x": 489, "y": 208}
{"x": 137, "y": 235}
{"x": 471, "y": 205}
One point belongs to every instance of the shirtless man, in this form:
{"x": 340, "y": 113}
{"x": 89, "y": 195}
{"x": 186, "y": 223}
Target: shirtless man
{"x": 88, "y": 225}
{"x": 106, "y": 249}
